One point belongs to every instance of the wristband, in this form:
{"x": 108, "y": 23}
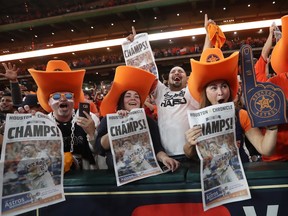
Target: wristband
{"x": 273, "y": 127}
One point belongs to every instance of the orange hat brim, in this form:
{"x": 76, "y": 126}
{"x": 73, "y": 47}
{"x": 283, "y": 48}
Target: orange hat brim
{"x": 127, "y": 78}
{"x": 49, "y": 82}
{"x": 279, "y": 55}
{"x": 205, "y": 72}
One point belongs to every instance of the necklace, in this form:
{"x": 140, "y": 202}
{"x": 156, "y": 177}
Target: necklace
{"x": 72, "y": 128}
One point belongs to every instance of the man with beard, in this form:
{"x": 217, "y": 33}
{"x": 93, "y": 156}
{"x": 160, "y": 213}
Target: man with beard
{"x": 172, "y": 102}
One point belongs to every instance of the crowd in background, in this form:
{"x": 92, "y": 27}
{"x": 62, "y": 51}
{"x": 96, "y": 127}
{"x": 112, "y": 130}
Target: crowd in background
{"x": 170, "y": 51}
{"x": 67, "y": 7}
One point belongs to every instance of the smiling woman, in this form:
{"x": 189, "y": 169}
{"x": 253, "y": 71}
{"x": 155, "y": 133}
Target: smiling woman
{"x": 129, "y": 100}
{"x": 126, "y": 94}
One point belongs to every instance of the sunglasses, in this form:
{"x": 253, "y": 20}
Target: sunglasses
{"x": 58, "y": 95}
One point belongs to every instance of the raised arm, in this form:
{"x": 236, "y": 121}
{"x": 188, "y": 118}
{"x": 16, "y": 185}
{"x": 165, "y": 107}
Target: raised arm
{"x": 131, "y": 36}
{"x": 262, "y": 64}
{"x": 207, "y": 43}
{"x": 268, "y": 44}
{"x": 11, "y": 73}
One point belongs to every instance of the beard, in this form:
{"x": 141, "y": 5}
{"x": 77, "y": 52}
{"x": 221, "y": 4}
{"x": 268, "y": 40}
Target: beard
{"x": 177, "y": 84}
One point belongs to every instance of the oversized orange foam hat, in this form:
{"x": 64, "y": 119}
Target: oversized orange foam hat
{"x": 58, "y": 77}
{"x": 127, "y": 78}
{"x": 279, "y": 55}
{"x": 213, "y": 66}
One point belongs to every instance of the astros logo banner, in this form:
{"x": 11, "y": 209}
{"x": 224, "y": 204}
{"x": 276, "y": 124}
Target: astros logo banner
{"x": 265, "y": 102}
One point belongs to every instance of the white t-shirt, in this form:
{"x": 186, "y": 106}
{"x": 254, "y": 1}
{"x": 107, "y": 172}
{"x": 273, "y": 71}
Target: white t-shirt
{"x": 173, "y": 122}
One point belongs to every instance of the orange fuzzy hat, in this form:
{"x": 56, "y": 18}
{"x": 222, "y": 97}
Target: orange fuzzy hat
{"x": 127, "y": 78}
{"x": 279, "y": 56}
{"x": 213, "y": 66}
{"x": 58, "y": 77}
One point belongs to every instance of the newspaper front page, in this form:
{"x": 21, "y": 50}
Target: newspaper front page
{"x": 31, "y": 163}
{"x": 132, "y": 147}
{"x": 222, "y": 175}
{"x": 139, "y": 54}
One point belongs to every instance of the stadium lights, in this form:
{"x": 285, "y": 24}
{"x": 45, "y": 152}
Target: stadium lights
{"x": 152, "y": 37}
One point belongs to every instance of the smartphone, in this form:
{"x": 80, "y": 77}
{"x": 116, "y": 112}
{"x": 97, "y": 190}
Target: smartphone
{"x": 83, "y": 107}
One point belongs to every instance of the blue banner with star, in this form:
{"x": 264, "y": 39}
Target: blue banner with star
{"x": 265, "y": 102}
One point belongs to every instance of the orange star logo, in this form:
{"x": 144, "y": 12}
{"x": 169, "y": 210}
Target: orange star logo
{"x": 264, "y": 103}
{"x": 212, "y": 58}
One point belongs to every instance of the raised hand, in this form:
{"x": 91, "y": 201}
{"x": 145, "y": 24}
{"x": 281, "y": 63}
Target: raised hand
{"x": 11, "y": 72}
{"x": 131, "y": 36}
{"x": 207, "y": 22}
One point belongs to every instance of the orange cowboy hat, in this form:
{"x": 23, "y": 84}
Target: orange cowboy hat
{"x": 279, "y": 55}
{"x": 58, "y": 77}
{"x": 213, "y": 66}
{"x": 127, "y": 78}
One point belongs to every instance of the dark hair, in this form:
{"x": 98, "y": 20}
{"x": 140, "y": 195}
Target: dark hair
{"x": 7, "y": 93}
{"x": 120, "y": 104}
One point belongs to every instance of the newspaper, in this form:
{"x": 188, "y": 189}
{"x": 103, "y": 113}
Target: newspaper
{"x": 31, "y": 164}
{"x": 132, "y": 147}
{"x": 139, "y": 54}
{"x": 222, "y": 175}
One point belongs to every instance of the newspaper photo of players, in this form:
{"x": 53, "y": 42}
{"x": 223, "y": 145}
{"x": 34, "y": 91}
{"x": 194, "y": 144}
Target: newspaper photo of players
{"x": 32, "y": 163}
{"x": 133, "y": 155}
{"x": 220, "y": 160}
{"x": 222, "y": 175}
{"x": 132, "y": 147}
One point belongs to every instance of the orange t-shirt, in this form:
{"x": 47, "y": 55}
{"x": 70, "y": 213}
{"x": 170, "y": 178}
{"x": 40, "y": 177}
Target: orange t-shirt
{"x": 281, "y": 80}
{"x": 260, "y": 68}
{"x": 244, "y": 120}
{"x": 281, "y": 151}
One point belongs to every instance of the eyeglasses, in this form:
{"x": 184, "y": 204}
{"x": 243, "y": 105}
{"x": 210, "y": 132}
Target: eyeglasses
{"x": 58, "y": 95}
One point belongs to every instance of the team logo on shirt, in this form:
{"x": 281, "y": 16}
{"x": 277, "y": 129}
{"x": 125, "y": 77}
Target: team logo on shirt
{"x": 173, "y": 99}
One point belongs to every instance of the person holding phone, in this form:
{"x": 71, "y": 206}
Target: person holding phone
{"x": 59, "y": 93}
{"x": 84, "y": 106}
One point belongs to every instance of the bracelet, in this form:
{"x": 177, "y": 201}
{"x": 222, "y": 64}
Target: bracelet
{"x": 273, "y": 127}
{"x": 91, "y": 139}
